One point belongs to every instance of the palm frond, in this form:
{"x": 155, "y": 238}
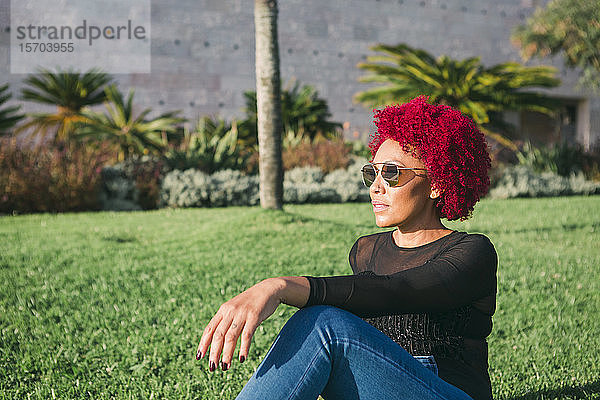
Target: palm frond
{"x": 70, "y": 91}
{"x": 134, "y": 134}
{"x": 9, "y": 116}
{"x": 404, "y": 72}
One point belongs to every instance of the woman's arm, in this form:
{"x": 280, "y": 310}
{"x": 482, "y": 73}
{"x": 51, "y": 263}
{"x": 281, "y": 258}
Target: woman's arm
{"x": 294, "y": 290}
{"x": 461, "y": 275}
{"x": 242, "y": 315}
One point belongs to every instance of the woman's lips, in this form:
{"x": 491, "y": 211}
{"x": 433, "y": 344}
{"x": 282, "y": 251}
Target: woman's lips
{"x": 378, "y": 207}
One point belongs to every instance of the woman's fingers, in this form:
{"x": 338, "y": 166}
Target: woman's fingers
{"x": 216, "y": 345}
{"x": 207, "y": 336}
{"x": 229, "y": 343}
{"x": 222, "y": 334}
{"x": 249, "y": 329}
{"x": 239, "y": 316}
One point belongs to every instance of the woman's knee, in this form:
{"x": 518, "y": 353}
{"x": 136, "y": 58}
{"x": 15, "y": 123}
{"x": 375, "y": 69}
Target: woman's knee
{"x": 320, "y": 312}
{"x": 321, "y": 317}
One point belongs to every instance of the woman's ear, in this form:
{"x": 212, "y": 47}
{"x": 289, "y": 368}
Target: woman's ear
{"x": 435, "y": 194}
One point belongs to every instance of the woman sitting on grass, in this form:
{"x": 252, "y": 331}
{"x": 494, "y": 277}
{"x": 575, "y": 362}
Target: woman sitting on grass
{"x": 412, "y": 321}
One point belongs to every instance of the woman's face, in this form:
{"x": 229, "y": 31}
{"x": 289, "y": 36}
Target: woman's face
{"x": 406, "y": 206}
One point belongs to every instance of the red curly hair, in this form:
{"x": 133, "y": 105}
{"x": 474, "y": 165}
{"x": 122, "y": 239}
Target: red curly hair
{"x": 450, "y": 145}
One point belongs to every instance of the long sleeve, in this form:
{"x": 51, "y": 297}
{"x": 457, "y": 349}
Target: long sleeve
{"x": 459, "y": 276}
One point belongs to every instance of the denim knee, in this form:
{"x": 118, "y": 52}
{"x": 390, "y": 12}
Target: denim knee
{"x": 320, "y": 313}
{"x": 321, "y": 318}
{"x": 319, "y": 310}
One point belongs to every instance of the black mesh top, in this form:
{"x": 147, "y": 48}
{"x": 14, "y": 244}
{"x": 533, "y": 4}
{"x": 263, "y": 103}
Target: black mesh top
{"x": 437, "y": 299}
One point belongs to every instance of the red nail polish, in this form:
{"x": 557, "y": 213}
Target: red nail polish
{"x": 212, "y": 366}
{"x": 224, "y": 366}
{"x": 242, "y": 359}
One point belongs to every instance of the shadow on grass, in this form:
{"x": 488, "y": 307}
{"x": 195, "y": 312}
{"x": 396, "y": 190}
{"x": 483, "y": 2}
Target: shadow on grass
{"x": 119, "y": 239}
{"x": 296, "y": 217}
{"x": 586, "y": 391}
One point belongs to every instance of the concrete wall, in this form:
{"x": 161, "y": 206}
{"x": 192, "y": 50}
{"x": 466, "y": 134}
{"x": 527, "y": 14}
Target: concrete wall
{"x": 203, "y": 50}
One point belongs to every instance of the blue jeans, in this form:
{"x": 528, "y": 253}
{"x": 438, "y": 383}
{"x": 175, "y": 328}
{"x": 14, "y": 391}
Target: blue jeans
{"x": 327, "y": 351}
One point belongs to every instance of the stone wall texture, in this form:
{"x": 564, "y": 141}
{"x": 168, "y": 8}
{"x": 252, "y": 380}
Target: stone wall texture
{"x": 203, "y": 50}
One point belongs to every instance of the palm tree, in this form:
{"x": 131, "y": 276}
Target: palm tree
{"x": 268, "y": 96}
{"x": 70, "y": 91}
{"x": 303, "y": 113}
{"x": 479, "y": 92}
{"x": 134, "y": 135}
{"x": 8, "y": 115}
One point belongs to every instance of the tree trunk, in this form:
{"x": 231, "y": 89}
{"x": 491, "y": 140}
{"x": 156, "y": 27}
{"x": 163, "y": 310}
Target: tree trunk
{"x": 268, "y": 99}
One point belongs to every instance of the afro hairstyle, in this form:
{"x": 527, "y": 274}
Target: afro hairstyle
{"x": 450, "y": 145}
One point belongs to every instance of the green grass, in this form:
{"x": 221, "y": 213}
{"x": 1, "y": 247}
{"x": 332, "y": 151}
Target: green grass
{"x": 112, "y": 305}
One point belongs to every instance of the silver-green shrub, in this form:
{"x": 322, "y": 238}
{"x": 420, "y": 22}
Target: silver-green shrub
{"x": 305, "y": 185}
{"x": 189, "y": 188}
{"x": 299, "y": 193}
{"x": 193, "y": 188}
{"x": 304, "y": 175}
{"x": 521, "y": 181}
{"x": 232, "y": 188}
{"x": 348, "y": 183}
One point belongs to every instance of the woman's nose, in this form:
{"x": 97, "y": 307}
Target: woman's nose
{"x": 378, "y": 185}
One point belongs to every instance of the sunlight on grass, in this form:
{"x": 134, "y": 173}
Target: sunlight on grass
{"x": 111, "y": 305}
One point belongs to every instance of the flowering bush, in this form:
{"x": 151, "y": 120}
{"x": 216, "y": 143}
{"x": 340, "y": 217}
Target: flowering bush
{"x": 328, "y": 155}
{"x": 57, "y": 178}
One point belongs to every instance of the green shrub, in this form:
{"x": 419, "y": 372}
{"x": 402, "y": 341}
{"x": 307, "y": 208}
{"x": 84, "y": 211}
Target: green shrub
{"x": 147, "y": 173}
{"x": 118, "y": 191}
{"x": 591, "y": 163}
{"x": 212, "y": 146}
{"x": 521, "y": 181}
{"x": 194, "y": 188}
{"x": 559, "y": 158}
{"x": 359, "y": 148}
{"x": 51, "y": 179}
{"x": 133, "y": 184}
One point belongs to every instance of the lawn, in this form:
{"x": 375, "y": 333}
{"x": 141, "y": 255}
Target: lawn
{"x": 112, "y": 305}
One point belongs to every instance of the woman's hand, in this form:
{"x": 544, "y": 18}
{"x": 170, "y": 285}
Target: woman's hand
{"x": 239, "y": 316}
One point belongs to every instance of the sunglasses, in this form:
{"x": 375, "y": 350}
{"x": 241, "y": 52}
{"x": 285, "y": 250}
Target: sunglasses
{"x": 392, "y": 174}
